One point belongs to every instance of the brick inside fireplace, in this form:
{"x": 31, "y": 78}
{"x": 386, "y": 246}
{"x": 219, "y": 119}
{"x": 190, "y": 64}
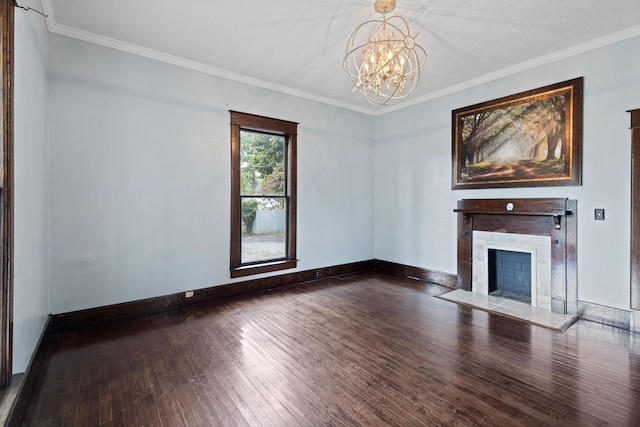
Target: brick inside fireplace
{"x": 510, "y": 274}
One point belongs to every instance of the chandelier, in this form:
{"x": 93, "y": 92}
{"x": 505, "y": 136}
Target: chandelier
{"x": 382, "y": 57}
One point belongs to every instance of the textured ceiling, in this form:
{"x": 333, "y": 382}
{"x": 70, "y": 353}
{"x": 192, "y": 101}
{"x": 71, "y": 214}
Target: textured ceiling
{"x": 297, "y": 46}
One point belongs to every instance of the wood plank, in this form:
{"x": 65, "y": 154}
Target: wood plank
{"x": 437, "y": 277}
{"x": 368, "y": 349}
{"x": 99, "y": 316}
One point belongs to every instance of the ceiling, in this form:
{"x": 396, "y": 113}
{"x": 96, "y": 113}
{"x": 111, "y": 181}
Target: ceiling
{"x": 297, "y": 46}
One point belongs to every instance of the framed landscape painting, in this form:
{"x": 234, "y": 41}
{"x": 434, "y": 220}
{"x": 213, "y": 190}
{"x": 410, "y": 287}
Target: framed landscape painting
{"x": 530, "y": 139}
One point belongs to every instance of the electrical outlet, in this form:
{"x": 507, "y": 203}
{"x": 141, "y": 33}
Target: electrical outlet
{"x": 599, "y": 214}
{"x": 188, "y": 294}
{"x": 319, "y": 274}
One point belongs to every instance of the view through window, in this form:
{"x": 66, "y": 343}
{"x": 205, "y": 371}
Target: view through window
{"x": 264, "y": 201}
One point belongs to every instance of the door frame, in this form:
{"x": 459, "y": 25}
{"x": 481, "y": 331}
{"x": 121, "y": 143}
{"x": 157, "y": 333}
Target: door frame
{"x": 635, "y": 220}
{"x": 6, "y": 197}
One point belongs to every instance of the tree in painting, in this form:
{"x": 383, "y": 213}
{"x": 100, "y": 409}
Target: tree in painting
{"x": 515, "y": 141}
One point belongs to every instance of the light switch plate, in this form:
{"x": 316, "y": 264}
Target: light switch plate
{"x": 599, "y": 214}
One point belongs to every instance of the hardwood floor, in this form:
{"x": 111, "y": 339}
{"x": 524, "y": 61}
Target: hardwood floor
{"x": 370, "y": 349}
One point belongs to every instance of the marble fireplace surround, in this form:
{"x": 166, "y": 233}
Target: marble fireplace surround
{"x": 554, "y": 218}
{"x": 539, "y": 249}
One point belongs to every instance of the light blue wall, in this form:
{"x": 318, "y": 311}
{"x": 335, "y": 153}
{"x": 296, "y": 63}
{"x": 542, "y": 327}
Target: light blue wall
{"x": 130, "y": 199}
{"x": 140, "y": 176}
{"x": 415, "y": 223}
{"x": 31, "y": 190}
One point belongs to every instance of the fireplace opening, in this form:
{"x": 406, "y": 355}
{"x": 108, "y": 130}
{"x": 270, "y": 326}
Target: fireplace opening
{"x": 510, "y": 275}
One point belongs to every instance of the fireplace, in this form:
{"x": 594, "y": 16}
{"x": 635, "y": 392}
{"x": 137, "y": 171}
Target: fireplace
{"x": 544, "y": 229}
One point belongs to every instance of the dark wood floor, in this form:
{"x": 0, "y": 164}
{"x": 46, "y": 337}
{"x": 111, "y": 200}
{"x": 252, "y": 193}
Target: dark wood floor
{"x": 370, "y": 350}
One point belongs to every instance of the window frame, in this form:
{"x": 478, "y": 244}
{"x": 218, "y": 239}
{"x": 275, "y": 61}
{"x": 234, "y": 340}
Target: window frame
{"x": 288, "y": 130}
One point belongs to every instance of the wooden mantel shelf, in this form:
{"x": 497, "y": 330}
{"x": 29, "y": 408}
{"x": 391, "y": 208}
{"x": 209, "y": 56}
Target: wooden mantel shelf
{"x": 555, "y": 208}
{"x": 512, "y": 212}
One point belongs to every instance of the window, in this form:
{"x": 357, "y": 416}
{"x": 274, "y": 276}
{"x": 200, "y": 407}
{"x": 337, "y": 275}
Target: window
{"x": 263, "y": 194}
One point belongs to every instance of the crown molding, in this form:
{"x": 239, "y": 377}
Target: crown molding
{"x": 197, "y": 66}
{"x": 524, "y": 66}
{"x": 89, "y": 37}
{"x": 64, "y": 30}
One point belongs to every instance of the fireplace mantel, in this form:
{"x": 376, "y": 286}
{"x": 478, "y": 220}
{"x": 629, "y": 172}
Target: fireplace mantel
{"x": 540, "y": 216}
{"x": 555, "y": 208}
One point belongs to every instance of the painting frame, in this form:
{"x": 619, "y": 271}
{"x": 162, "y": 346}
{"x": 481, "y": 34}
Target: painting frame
{"x": 529, "y": 139}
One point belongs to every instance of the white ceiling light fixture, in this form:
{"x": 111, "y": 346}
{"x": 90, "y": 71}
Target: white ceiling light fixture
{"x": 382, "y": 57}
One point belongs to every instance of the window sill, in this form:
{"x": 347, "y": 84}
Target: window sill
{"x": 263, "y": 268}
